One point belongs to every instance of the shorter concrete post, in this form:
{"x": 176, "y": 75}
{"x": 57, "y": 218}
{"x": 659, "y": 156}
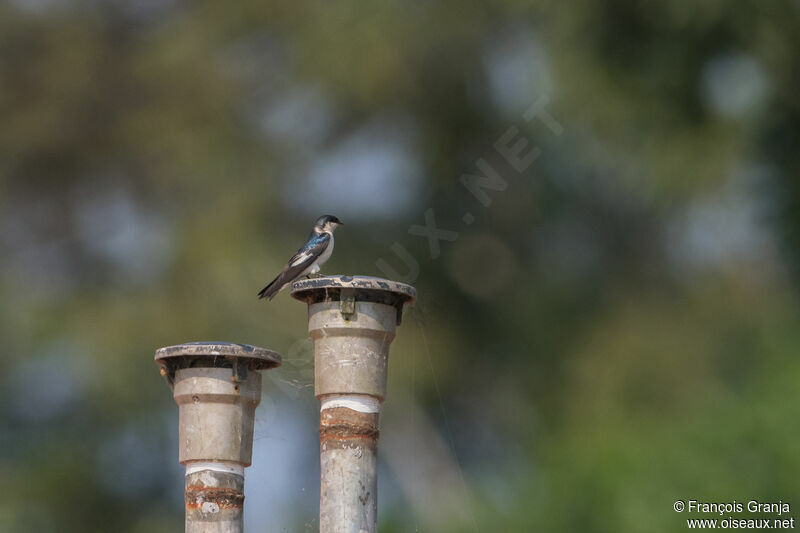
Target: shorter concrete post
{"x": 217, "y": 387}
{"x": 353, "y": 321}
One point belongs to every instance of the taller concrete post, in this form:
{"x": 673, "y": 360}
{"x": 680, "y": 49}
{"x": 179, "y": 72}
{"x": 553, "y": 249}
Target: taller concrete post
{"x": 353, "y": 320}
{"x": 217, "y": 386}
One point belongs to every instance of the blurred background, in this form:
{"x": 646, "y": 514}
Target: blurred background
{"x": 615, "y": 330}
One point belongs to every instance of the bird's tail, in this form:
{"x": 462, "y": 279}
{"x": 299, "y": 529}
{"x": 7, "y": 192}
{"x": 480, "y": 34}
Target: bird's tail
{"x": 273, "y": 288}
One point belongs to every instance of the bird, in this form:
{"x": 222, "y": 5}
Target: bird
{"x": 309, "y": 259}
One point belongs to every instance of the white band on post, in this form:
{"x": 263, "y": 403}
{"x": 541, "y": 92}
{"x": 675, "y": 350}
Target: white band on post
{"x": 357, "y": 402}
{"x": 227, "y": 467}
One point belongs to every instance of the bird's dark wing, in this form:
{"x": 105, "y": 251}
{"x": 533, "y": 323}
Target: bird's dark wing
{"x": 305, "y": 256}
{"x": 313, "y": 248}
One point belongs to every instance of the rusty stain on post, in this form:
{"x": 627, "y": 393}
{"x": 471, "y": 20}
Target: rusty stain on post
{"x": 217, "y": 387}
{"x": 353, "y": 320}
{"x": 347, "y": 428}
{"x": 214, "y": 502}
{"x": 223, "y": 498}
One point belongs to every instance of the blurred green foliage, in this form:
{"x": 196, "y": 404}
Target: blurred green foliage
{"x": 616, "y": 330}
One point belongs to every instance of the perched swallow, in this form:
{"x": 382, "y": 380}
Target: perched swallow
{"x": 308, "y": 259}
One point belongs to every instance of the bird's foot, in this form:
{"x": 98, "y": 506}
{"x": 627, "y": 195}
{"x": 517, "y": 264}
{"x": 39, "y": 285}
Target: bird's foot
{"x": 313, "y": 276}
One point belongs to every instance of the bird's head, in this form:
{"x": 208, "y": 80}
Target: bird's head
{"x": 327, "y": 223}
